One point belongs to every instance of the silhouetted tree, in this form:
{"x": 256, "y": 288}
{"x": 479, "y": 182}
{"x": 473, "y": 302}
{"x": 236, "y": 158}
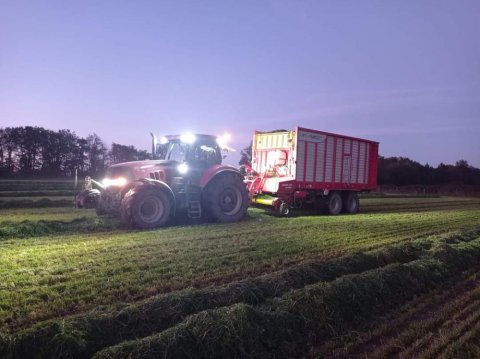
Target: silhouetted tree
{"x": 246, "y": 155}
{"x": 121, "y": 153}
{"x": 96, "y": 154}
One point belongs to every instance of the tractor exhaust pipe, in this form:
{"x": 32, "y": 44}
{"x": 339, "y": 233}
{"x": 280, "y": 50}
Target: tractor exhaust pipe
{"x": 154, "y": 145}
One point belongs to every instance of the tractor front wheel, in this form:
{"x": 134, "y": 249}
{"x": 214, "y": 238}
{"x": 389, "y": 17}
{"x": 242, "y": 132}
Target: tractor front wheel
{"x": 226, "y": 199}
{"x": 147, "y": 209}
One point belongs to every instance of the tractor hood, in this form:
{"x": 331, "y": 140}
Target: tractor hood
{"x": 155, "y": 169}
{"x": 134, "y": 165}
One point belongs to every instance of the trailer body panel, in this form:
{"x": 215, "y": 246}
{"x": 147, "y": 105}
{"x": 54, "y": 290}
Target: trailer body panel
{"x": 332, "y": 161}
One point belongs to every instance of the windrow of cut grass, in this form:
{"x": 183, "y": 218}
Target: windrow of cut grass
{"x": 32, "y": 202}
{"x": 284, "y": 327}
{"x": 28, "y": 229}
{"x": 82, "y": 336}
{"x": 394, "y": 204}
{"x": 17, "y": 215}
{"x": 103, "y": 268}
{"x": 36, "y": 185}
{"x": 39, "y": 193}
{"x": 423, "y": 328}
{"x": 91, "y": 269}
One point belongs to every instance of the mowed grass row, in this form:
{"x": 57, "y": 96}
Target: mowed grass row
{"x": 297, "y": 322}
{"x": 442, "y": 324}
{"x": 83, "y": 335}
{"x": 33, "y": 215}
{"x": 37, "y": 193}
{"x": 45, "y": 277}
{"x": 37, "y": 185}
{"x": 35, "y": 202}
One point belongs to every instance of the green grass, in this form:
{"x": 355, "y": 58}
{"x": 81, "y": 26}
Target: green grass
{"x": 17, "y": 215}
{"x": 285, "y": 327}
{"x": 61, "y": 262}
{"x": 32, "y": 193}
{"x": 126, "y": 266}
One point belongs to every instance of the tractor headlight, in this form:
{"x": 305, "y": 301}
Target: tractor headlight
{"x": 114, "y": 182}
{"x": 182, "y": 168}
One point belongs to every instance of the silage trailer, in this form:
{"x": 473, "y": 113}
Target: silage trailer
{"x": 309, "y": 168}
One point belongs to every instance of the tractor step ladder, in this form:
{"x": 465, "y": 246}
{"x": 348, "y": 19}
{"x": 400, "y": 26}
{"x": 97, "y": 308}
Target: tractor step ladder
{"x": 194, "y": 206}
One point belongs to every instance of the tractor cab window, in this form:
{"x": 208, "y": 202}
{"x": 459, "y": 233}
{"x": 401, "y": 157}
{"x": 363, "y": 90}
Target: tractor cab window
{"x": 177, "y": 151}
{"x": 161, "y": 150}
{"x": 206, "y": 154}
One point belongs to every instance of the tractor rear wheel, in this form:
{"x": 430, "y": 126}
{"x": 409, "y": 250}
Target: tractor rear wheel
{"x": 351, "y": 203}
{"x": 226, "y": 199}
{"x": 334, "y": 203}
{"x": 147, "y": 209}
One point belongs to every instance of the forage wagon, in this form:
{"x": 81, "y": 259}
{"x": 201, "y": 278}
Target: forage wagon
{"x": 310, "y": 168}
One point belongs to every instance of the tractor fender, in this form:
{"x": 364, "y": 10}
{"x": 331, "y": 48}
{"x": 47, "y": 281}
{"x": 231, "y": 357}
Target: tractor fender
{"x": 216, "y": 171}
{"x": 147, "y": 183}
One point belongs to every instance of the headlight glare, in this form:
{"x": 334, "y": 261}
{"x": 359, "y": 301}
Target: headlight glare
{"x": 182, "y": 168}
{"x": 114, "y": 182}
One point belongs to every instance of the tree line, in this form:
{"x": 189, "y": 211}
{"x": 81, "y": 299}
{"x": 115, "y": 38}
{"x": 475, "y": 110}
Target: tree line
{"x": 402, "y": 171}
{"x": 35, "y": 151}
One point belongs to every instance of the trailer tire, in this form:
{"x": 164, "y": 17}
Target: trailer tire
{"x": 351, "y": 203}
{"x": 147, "y": 209}
{"x": 334, "y": 203}
{"x": 226, "y": 199}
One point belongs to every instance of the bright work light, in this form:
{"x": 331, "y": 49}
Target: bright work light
{"x": 115, "y": 182}
{"x": 223, "y": 139}
{"x": 182, "y": 168}
{"x": 163, "y": 140}
{"x": 188, "y": 138}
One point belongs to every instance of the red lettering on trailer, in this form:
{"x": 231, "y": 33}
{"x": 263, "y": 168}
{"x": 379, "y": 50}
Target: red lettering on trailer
{"x": 315, "y": 162}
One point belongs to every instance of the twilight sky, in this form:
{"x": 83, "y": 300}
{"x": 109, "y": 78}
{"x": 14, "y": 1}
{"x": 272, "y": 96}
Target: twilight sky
{"x": 404, "y": 73}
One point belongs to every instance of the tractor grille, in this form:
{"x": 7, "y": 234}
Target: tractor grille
{"x": 157, "y": 175}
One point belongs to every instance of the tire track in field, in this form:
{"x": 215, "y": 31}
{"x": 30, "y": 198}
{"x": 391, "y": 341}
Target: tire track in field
{"x": 416, "y": 329}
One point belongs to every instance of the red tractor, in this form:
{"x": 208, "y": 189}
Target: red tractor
{"x": 186, "y": 178}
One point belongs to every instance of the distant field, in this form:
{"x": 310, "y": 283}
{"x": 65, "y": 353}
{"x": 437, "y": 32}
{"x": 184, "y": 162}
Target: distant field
{"x": 73, "y": 284}
{"x": 36, "y": 193}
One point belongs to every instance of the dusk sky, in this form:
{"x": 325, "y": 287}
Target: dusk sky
{"x": 404, "y": 73}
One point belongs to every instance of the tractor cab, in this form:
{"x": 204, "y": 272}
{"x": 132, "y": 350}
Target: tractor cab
{"x": 196, "y": 152}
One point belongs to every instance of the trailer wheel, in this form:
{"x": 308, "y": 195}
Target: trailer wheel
{"x": 226, "y": 199}
{"x": 351, "y": 203}
{"x": 334, "y": 203}
{"x": 148, "y": 209}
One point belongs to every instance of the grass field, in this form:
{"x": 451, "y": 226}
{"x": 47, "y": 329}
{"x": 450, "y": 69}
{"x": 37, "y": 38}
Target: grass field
{"x": 399, "y": 279}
